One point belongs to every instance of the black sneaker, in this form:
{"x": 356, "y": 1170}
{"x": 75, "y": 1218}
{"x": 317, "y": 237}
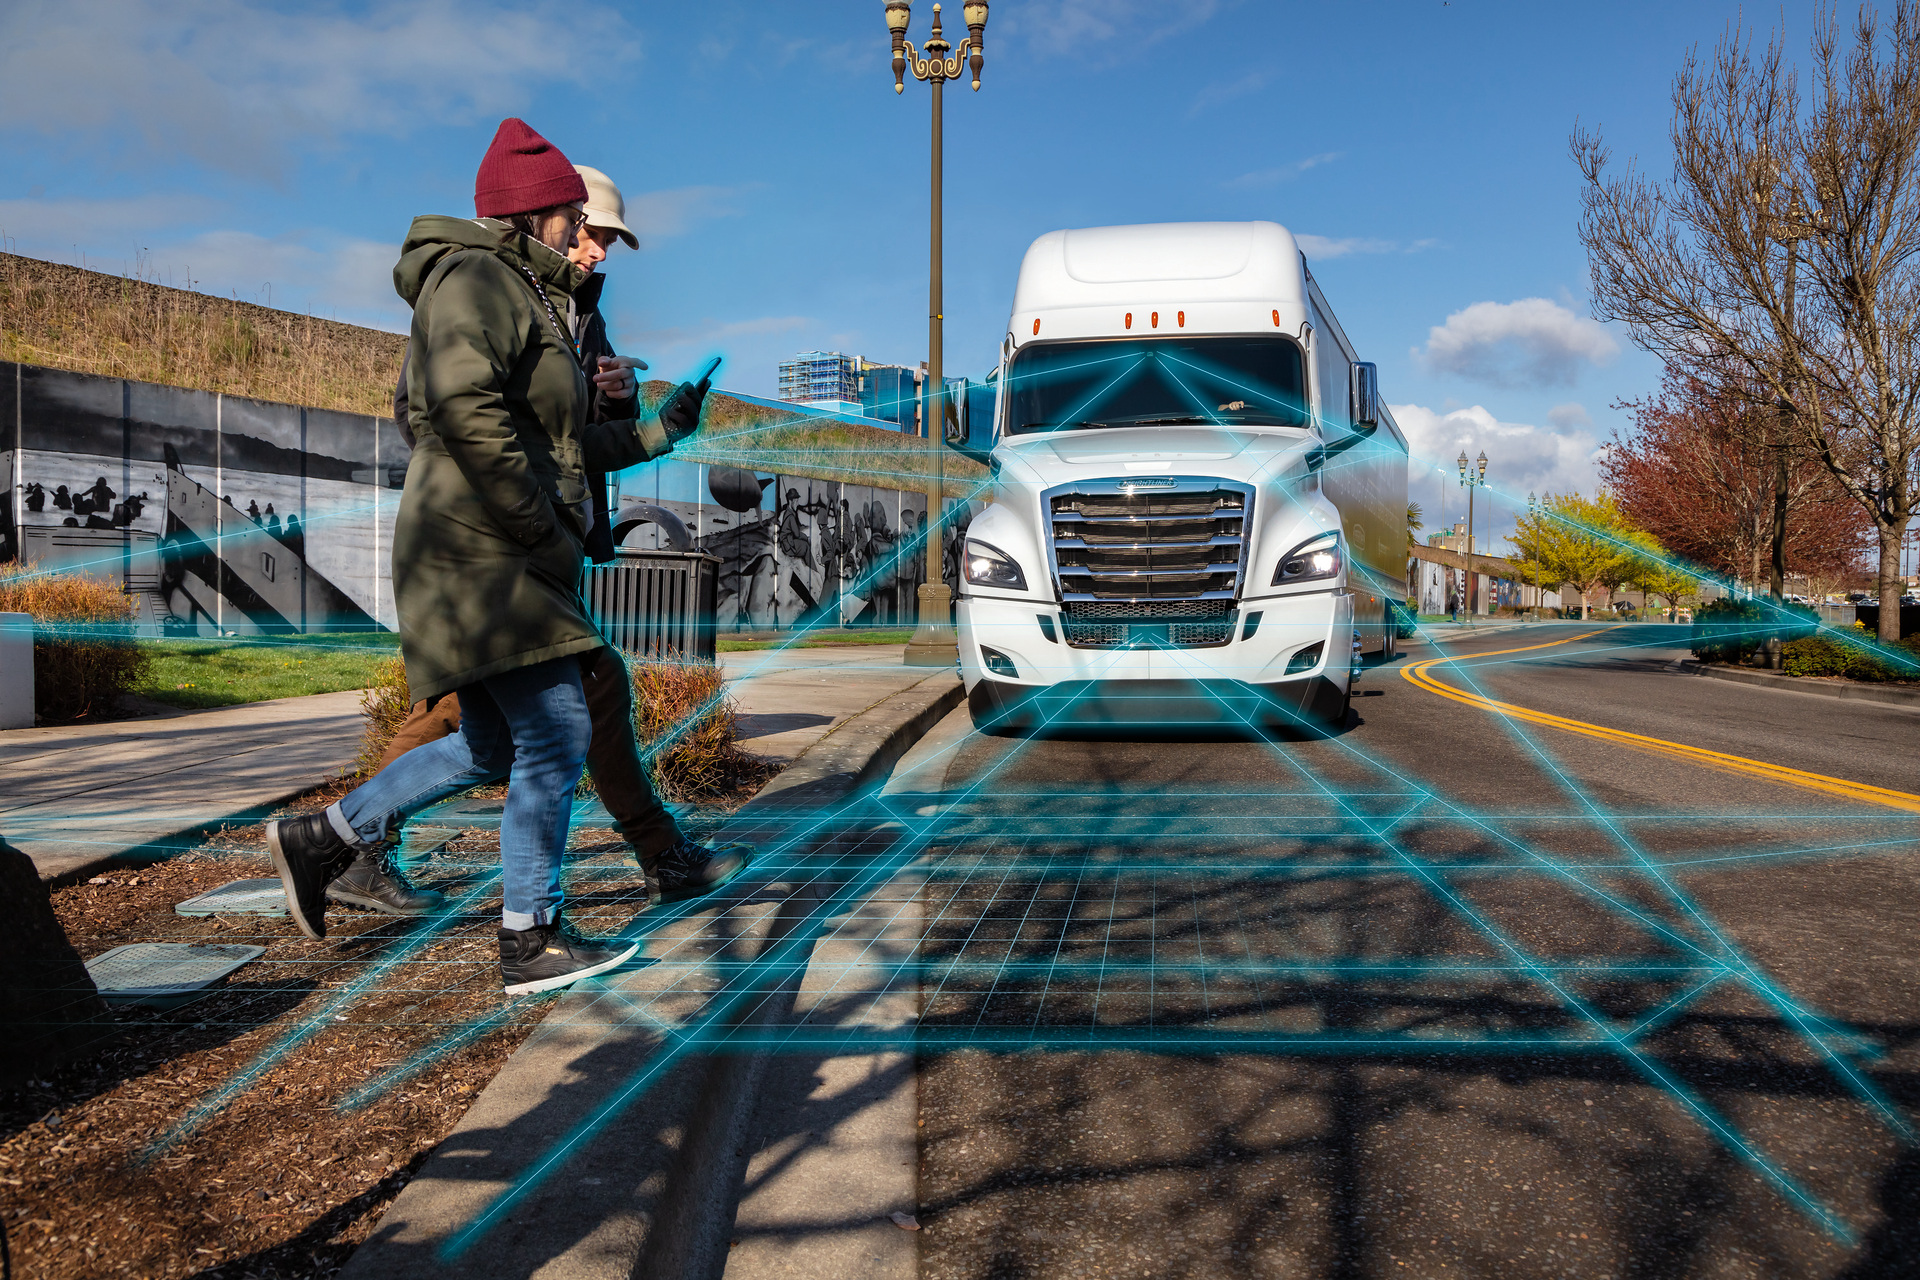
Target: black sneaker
{"x": 553, "y": 955}
{"x": 375, "y": 883}
{"x": 688, "y": 870}
{"x": 309, "y": 854}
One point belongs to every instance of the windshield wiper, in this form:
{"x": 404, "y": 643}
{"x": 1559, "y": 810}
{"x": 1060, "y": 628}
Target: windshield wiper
{"x": 1186, "y": 420}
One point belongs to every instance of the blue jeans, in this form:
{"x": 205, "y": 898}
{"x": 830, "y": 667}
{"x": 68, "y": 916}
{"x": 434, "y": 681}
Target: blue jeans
{"x": 530, "y": 726}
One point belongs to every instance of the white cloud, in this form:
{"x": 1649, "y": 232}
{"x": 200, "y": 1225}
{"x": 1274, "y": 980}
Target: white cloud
{"x": 1260, "y": 178}
{"x": 709, "y": 332}
{"x": 1323, "y": 247}
{"x": 165, "y": 239}
{"x": 1569, "y": 417}
{"x": 231, "y": 84}
{"x": 1534, "y": 342}
{"x": 1521, "y": 459}
{"x": 1215, "y": 94}
{"x": 1067, "y": 28}
{"x": 47, "y": 228}
{"x": 660, "y": 215}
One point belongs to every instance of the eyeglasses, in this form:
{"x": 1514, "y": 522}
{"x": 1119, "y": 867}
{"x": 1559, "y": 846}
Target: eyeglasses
{"x": 577, "y": 218}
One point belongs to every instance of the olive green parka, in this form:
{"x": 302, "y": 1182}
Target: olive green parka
{"x": 488, "y": 547}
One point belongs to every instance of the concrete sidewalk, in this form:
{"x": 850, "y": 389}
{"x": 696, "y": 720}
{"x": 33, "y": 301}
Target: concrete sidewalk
{"x": 619, "y": 1190}
{"x": 75, "y": 798}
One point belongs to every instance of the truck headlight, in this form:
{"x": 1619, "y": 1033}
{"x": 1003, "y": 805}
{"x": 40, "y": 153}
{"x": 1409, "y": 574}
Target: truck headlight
{"x": 1317, "y": 557}
{"x": 989, "y": 566}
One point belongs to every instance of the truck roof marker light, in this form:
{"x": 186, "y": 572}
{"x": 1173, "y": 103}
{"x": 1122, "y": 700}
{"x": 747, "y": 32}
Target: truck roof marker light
{"x": 1129, "y": 323}
{"x": 1156, "y": 319}
{"x": 1036, "y": 326}
{"x": 1181, "y": 316}
{"x": 1276, "y": 317}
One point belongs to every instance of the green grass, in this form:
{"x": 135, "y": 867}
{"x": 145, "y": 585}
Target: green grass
{"x": 226, "y": 673}
{"x": 746, "y": 643}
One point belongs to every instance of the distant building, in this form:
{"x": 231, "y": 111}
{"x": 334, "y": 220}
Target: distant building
{"x": 822, "y": 380}
{"x": 1454, "y": 541}
{"x": 891, "y": 393}
{"x": 849, "y": 384}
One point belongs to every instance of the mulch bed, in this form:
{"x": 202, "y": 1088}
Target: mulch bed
{"x": 99, "y": 1178}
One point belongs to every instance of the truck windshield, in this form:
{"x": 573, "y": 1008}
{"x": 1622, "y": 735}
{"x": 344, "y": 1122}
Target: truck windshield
{"x": 1157, "y": 382}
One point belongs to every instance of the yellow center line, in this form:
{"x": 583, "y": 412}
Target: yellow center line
{"x": 1420, "y": 674}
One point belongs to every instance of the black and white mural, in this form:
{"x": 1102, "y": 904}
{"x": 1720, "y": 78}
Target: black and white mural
{"x": 224, "y": 514}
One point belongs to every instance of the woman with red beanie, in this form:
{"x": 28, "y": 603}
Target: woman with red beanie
{"x": 488, "y": 549}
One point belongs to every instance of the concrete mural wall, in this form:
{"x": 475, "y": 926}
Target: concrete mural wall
{"x": 222, "y": 513}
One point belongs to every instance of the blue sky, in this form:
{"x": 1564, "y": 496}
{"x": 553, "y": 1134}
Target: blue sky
{"x": 277, "y": 152}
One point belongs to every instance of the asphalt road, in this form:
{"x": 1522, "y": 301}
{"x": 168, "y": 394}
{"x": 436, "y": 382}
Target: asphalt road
{"x": 1446, "y": 994}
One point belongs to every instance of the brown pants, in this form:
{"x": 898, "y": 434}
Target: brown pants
{"x": 613, "y": 756}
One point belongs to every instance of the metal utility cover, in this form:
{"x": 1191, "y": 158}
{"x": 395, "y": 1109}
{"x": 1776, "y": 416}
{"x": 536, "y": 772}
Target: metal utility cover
{"x": 240, "y": 897}
{"x": 165, "y": 972}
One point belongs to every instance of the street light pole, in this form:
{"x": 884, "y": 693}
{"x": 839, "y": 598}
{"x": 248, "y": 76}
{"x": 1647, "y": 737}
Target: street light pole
{"x": 1471, "y": 481}
{"x": 934, "y": 643}
{"x": 1532, "y": 514}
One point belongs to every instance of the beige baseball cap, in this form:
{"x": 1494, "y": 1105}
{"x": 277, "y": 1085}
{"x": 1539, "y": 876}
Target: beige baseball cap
{"x": 605, "y": 205}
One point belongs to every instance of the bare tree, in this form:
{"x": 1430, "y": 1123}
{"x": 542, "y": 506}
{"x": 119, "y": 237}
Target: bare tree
{"x": 1787, "y": 247}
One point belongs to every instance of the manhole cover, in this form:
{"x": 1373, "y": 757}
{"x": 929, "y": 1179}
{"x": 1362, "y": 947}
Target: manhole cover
{"x": 165, "y": 972}
{"x": 241, "y": 897}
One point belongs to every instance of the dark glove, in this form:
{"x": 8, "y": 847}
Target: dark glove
{"x": 680, "y": 415}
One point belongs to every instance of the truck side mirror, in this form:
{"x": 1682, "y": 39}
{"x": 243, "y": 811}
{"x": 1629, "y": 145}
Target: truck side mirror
{"x": 1366, "y": 395}
{"x": 970, "y": 420}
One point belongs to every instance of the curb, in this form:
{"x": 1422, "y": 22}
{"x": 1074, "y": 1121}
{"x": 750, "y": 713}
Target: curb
{"x": 1795, "y": 684}
{"x": 666, "y": 1202}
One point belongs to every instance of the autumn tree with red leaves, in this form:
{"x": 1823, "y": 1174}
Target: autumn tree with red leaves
{"x": 1697, "y": 472}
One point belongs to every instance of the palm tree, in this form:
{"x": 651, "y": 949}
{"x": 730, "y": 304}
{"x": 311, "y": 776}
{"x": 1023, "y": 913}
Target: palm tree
{"x": 1413, "y": 523}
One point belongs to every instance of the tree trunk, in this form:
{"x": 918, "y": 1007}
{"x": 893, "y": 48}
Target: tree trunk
{"x": 1890, "y": 583}
{"x": 1777, "y": 579}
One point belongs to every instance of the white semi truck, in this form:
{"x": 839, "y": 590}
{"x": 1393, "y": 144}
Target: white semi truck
{"x": 1198, "y": 499}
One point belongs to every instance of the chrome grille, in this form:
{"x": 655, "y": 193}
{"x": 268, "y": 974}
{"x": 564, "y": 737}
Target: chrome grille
{"x": 1176, "y": 544}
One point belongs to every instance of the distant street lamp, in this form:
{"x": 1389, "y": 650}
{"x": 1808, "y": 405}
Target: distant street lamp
{"x": 1532, "y": 513}
{"x": 1471, "y": 481}
{"x": 933, "y": 643}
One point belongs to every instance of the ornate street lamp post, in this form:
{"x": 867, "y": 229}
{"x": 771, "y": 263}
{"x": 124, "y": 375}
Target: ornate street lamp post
{"x": 1471, "y": 481}
{"x": 933, "y": 643}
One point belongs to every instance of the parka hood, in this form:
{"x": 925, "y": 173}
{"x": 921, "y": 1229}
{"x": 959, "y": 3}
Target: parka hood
{"x": 433, "y": 236}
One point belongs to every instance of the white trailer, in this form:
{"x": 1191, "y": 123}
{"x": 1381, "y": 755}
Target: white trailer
{"x": 1199, "y": 500}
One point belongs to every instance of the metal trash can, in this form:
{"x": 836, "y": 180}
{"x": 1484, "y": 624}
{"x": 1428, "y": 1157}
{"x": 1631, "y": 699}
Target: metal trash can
{"x": 652, "y": 604}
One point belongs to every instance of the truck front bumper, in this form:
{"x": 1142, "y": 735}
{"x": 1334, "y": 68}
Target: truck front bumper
{"x": 1019, "y": 669}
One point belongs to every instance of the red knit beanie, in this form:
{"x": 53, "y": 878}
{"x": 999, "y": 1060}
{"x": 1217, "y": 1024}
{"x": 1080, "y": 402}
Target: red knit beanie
{"x": 522, "y": 172}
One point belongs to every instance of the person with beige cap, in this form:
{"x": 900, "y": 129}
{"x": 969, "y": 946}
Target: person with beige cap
{"x": 678, "y": 868}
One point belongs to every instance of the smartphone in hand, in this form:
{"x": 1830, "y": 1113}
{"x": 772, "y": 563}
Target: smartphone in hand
{"x": 706, "y": 374}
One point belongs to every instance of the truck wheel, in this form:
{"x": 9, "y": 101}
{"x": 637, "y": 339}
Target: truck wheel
{"x": 1338, "y": 720}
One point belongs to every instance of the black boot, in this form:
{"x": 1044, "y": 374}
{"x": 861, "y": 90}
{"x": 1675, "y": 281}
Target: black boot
{"x": 374, "y": 882}
{"x": 688, "y": 870}
{"x": 309, "y": 854}
{"x": 552, "y": 955}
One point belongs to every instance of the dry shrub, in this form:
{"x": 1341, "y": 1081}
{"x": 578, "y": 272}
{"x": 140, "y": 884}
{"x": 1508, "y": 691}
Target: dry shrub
{"x": 701, "y": 763}
{"x": 84, "y": 656}
{"x": 385, "y": 705}
{"x": 683, "y": 703}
